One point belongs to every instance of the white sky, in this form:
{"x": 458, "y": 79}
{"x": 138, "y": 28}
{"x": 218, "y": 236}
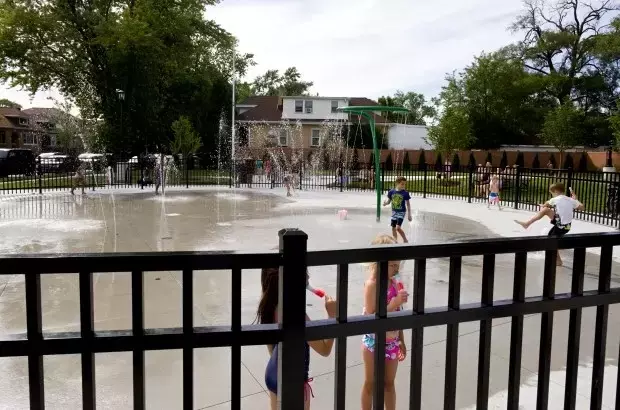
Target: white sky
{"x": 362, "y": 48}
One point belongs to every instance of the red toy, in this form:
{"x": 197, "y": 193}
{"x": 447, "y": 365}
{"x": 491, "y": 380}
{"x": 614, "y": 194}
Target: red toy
{"x": 319, "y": 292}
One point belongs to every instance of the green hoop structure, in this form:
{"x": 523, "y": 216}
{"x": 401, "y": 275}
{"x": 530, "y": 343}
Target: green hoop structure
{"x": 367, "y": 112}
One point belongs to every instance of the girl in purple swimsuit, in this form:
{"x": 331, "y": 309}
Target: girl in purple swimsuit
{"x": 395, "y": 349}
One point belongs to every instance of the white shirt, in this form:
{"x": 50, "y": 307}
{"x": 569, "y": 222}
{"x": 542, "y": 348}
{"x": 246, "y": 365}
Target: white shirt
{"x": 564, "y": 207}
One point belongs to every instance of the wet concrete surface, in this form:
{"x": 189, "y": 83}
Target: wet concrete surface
{"x": 242, "y": 221}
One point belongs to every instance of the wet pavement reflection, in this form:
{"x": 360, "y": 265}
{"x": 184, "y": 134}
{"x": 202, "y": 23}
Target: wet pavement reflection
{"x": 229, "y": 220}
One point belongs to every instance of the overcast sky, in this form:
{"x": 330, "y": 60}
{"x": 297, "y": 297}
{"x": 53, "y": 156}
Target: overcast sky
{"x": 362, "y": 48}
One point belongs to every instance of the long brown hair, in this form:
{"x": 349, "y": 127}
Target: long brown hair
{"x": 266, "y": 312}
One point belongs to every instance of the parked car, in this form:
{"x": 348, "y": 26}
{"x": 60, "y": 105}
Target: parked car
{"x": 16, "y": 161}
{"x": 58, "y": 163}
{"x": 98, "y": 161}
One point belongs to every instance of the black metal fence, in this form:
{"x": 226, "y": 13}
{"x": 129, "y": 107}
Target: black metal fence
{"x": 521, "y": 188}
{"x": 293, "y": 330}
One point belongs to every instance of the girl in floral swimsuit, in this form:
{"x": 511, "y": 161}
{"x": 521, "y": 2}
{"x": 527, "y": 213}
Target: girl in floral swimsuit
{"x": 395, "y": 349}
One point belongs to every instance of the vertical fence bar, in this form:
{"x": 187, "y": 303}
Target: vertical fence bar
{"x": 34, "y": 329}
{"x": 516, "y": 332}
{"x": 40, "y": 172}
{"x": 546, "y": 332}
{"x": 87, "y": 320}
{"x": 137, "y": 327}
{"x": 452, "y": 338}
{"x": 380, "y": 337}
{"x": 600, "y": 329}
{"x": 470, "y": 184}
{"x": 417, "y": 336}
{"x": 292, "y": 316}
{"x": 517, "y": 187}
{"x": 235, "y": 369}
{"x": 424, "y": 187}
{"x": 574, "y": 331}
{"x": 342, "y": 290}
{"x": 484, "y": 345}
{"x": 188, "y": 333}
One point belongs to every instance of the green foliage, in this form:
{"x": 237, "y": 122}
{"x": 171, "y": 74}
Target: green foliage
{"x": 422, "y": 160}
{"x": 583, "y": 162}
{"x": 9, "y": 104}
{"x": 165, "y": 55}
{"x": 563, "y": 127}
{"x": 289, "y": 83}
{"x": 456, "y": 162}
{"x": 520, "y": 161}
{"x": 439, "y": 163}
{"x": 536, "y": 162}
{"x": 453, "y": 132}
{"x": 186, "y": 141}
{"x": 503, "y": 163}
{"x": 406, "y": 162}
{"x": 472, "y": 161}
{"x": 389, "y": 163}
{"x": 419, "y": 109}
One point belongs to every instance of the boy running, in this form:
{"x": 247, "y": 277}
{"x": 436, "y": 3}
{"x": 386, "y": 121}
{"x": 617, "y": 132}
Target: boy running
{"x": 399, "y": 198}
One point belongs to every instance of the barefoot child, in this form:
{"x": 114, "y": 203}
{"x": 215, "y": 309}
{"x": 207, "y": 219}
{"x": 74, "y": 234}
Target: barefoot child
{"x": 494, "y": 192}
{"x": 267, "y": 313}
{"x": 559, "y": 209}
{"x": 395, "y": 349}
{"x": 399, "y": 198}
{"x": 80, "y": 178}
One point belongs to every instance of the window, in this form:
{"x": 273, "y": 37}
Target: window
{"x": 23, "y": 121}
{"x": 2, "y": 137}
{"x": 334, "y": 106}
{"x": 299, "y": 106}
{"x": 283, "y": 138}
{"x": 308, "y": 106}
{"x": 52, "y": 140}
{"x": 315, "y": 139}
{"x": 28, "y": 138}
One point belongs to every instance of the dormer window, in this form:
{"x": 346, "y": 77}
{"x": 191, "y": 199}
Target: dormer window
{"x": 23, "y": 121}
{"x": 308, "y": 106}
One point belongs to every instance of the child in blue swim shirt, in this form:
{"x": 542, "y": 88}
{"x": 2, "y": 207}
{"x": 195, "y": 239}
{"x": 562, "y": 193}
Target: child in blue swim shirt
{"x": 399, "y": 198}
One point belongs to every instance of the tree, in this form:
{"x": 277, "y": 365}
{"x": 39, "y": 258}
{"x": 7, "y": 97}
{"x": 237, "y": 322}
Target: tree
{"x": 167, "y": 58}
{"x": 389, "y": 163}
{"x": 536, "y": 162}
{"x": 558, "y": 42}
{"x": 419, "y": 109}
{"x": 422, "y": 160}
{"x": 583, "y": 162}
{"x": 186, "y": 142}
{"x": 503, "y": 163}
{"x": 406, "y": 162}
{"x": 453, "y": 132}
{"x": 472, "y": 161}
{"x": 243, "y": 91}
{"x": 563, "y": 127}
{"x": 553, "y": 161}
{"x": 355, "y": 161}
{"x": 289, "y": 83}
{"x": 568, "y": 161}
{"x": 439, "y": 163}
{"x": 520, "y": 161}
{"x": 489, "y": 158}
{"x": 456, "y": 162}
{"x": 9, "y": 104}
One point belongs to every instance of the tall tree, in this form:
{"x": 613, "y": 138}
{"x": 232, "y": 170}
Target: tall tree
{"x": 186, "y": 142}
{"x": 9, "y": 104}
{"x": 165, "y": 55}
{"x": 452, "y": 132}
{"x": 289, "y": 83}
{"x": 420, "y": 111}
{"x": 563, "y": 127}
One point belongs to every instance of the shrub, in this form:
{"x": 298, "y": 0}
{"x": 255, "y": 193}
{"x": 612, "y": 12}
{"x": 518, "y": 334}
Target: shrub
{"x": 456, "y": 162}
{"x": 503, "y": 163}
{"x": 439, "y": 163}
{"x": 422, "y": 160}
{"x": 536, "y": 162}
{"x": 472, "y": 161}
{"x": 406, "y": 162}
{"x": 489, "y": 158}
{"x": 583, "y": 162}
{"x": 389, "y": 164}
{"x": 355, "y": 161}
{"x": 568, "y": 161}
{"x": 520, "y": 160}
{"x": 553, "y": 161}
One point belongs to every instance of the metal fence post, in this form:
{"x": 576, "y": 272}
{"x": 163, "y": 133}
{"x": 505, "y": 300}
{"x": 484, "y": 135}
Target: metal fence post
{"x": 301, "y": 175}
{"x": 292, "y": 318}
{"x": 470, "y": 184}
{"x": 517, "y": 187}
{"x": 424, "y": 181}
{"x": 39, "y": 171}
{"x": 187, "y": 171}
{"x": 92, "y": 169}
{"x": 382, "y": 170}
{"x": 569, "y": 179}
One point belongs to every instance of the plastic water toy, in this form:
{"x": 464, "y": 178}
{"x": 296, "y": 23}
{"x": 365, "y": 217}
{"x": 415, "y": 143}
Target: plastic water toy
{"x": 342, "y": 214}
{"x": 319, "y": 292}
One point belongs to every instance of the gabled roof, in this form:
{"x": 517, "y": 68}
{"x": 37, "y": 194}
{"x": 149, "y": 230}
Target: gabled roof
{"x": 267, "y": 108}
{"x": 5, "y": 123}
{"x": 13, "y": 112}
{"x": 42, "y": 112}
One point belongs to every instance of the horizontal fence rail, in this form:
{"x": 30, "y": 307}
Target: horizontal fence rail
{"x": 293, "y": 331}
{"x": 520, "y": 188}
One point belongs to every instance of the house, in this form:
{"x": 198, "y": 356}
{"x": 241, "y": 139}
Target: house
{"x": 43, "y": 122}
{"x": 15, "y": 128}
{"x": 295, "y": 121}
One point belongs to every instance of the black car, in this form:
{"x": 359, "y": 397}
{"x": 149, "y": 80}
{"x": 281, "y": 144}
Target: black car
{"x": 16, "y": 161}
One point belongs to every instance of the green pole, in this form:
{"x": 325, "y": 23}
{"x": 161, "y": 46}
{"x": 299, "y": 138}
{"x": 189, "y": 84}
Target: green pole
{"x": 375, "y": 148}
